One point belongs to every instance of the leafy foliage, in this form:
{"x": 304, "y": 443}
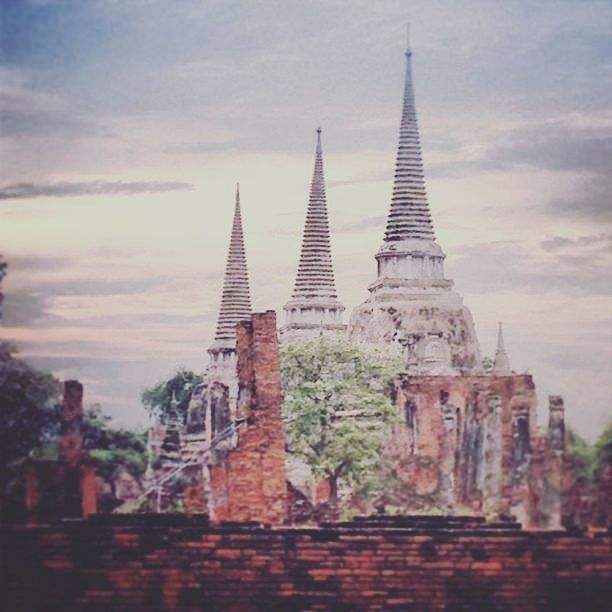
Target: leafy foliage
{"x": 29, "y": 417}
{"x": 168, "y": 401}
{"x": 337, "y": 407}
{"x": 111, "y": 448}
{"x": 583, "y": 454}
{"x": 603, "y": 449}
{"x": 487, "y": 365}
{"x": 590, "y": 460}
{"x": 30, "y": 420}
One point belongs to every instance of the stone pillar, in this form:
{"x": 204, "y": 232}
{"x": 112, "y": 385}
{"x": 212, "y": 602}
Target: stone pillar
{"x": 250, "y": 483}
{"x": 71, "y": 439}
{"x": 555, "y": 444}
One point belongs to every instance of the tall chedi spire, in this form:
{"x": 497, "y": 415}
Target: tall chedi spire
{"x": 314, "y": 309}
{"x": 501, "y": 363}
{"x": 409, "y": 250}
{"x": 216, "y": 398}
{"x": 409, "y": 216}
{"x": 235, "y": 300}
{"x": 411, "y": 305}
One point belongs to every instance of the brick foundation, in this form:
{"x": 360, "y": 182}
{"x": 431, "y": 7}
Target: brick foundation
{"x": 174, "y": 563}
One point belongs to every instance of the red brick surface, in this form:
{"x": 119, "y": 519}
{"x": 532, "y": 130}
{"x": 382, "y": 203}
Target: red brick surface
{"x": 445, "y": 467}
{"x": 66, "y": 486}
{"x": 250, "y": 484}
{"x": 161, "y": 563}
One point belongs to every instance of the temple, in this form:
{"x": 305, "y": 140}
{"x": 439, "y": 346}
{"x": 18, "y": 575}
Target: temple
{"x": 213, "y": 406}
{"x": 411, "y": 307}
{"x": 314, "y": 309}
{"x": 235, "y": 304}
{"x": 465, "y": 441}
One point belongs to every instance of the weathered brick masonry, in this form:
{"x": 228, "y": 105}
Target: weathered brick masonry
{"x": 471, "y": 442}
{"x": 174, "y": 563}
{"x": 249, "y": 483}
{"x": 64, "y": 486}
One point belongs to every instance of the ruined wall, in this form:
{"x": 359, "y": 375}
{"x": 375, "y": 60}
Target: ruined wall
{"x": 586, "y": 503}
{"x": 249, "y": 482}
{"x": 64, "y": 487}
{"x": 468, "y": 444}
{"x": 546, "y": 471}
{"x": 176, "y": 564}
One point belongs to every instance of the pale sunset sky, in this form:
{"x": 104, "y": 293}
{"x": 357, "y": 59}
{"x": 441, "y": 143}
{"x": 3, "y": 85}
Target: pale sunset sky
{"x": 126, "y": 125}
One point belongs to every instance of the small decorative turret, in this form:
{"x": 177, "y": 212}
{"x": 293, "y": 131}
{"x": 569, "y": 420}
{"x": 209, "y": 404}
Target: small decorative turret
{"x": 314, "y": 309}
{"x": 235, "y": 300}
{"x": 501, "y": 363}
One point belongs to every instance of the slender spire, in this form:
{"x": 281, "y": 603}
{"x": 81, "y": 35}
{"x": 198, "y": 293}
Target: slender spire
{"x": 409, "y": 215}
{"x": 235, "y": 300}
{"x": 315, "y": 276}
{"x": 501, "y": 363}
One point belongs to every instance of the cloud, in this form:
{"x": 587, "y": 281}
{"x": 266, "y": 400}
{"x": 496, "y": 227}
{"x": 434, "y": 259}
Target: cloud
{"x": 562, "y": 265}
{"x": 590, "y": 200}
{"x": 374, "y": 178}
{"x": 559, "y": 148}
{"x": 558, "y": 243}
{"x": 561, "y": 145}
{"x": 377, "y": 222}
{"x": 567, "y": 145}
{"x": 25, "y": 191}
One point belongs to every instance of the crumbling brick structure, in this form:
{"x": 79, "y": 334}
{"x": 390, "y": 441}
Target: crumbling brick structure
{"x": 471, "y": 443}
{"x": 63, "y": 487}
{"x": 249, "y": 483}
{"x": 394, "y": 563}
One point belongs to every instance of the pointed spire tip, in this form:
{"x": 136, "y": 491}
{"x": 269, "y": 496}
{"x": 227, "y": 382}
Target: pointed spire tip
{"x": 408, "y": 48}
{"x": 319, "y": 130}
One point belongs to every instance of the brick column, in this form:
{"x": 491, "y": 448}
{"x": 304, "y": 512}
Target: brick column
{"x": 250, "y": 485}
{"x": 64, "y": 487}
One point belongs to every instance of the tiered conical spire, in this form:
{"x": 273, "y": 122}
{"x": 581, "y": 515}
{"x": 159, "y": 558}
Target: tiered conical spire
{"x": 501, "y": 363}
{"x": 409, "y": 216}
{"x": 235, "y": 301}
{"x": 315, "y": 277}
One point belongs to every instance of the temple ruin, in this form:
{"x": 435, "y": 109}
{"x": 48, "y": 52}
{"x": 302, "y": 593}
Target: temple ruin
{"x": 468, "y": 439}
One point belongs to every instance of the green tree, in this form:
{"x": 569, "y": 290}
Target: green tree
{"x": 583, "y": 454}
{"x": 112, "y": 448}
{"x": 337, "y": 408}
{"x": 30, "y": 421}
{"x": 168, "y": 401}
{"x": 603, "y": 450}
{"x": 29, "y": 417}
{"x": 487, "y": 365}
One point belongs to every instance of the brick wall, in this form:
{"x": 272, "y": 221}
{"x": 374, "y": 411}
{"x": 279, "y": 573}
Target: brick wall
{"x": 64, "y": 486}
{"x": 471, "y": 442}
{"x": 175, "y": 563}
{"x": 249, "y": 482}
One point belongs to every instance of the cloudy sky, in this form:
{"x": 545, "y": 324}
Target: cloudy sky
{"x": 127, "y": 123}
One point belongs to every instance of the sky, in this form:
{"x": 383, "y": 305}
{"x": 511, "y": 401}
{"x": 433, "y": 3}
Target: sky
{"x": 126, "y": 125}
